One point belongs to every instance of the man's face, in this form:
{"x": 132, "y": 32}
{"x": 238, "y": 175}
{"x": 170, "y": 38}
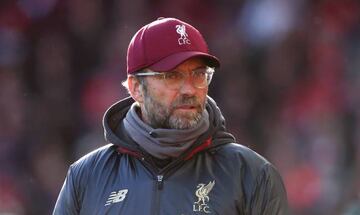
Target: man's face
{"x": 174, "y": 108}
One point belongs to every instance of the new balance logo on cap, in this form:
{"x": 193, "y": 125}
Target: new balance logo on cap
{"x": 116, "y": 197}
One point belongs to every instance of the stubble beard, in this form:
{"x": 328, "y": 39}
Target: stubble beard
{"x": 159, "y": 116}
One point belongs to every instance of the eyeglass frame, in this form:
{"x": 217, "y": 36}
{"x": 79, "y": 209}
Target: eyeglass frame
{"x": 148, "y": 72}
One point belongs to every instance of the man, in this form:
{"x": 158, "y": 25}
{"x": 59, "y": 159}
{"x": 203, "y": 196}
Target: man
{"x": 168, "y": 151}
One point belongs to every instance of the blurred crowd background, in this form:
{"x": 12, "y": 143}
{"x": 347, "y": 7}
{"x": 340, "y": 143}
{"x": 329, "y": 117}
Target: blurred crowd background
{"x": 289, "y": 87}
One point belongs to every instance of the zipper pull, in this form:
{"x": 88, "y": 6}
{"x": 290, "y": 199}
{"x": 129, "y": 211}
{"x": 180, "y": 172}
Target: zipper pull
{"x": 160, "y": 181}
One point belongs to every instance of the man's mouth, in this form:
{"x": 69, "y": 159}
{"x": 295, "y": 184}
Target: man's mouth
{"x": 186, "y": 107}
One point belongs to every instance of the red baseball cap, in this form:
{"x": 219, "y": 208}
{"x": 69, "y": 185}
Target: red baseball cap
{"x": 164, "y": 44}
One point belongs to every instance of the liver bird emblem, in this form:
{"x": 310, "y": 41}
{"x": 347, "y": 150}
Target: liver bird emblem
{"x": 181, "y": 29}
{"x": 203, "y": 192}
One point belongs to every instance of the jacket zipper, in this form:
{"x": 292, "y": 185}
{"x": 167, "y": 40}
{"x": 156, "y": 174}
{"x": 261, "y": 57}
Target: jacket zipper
{"x": 158, "y": 185}
{"x": 160, "y": 182}
{"x": 158, "y": 188}
{"x": 159, "y": 177}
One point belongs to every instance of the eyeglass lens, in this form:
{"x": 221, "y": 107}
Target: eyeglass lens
{"x": 199, "y": 78}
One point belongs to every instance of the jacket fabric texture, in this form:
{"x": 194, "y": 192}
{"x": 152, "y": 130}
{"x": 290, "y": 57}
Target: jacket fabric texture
{"x": 214, "y": 176}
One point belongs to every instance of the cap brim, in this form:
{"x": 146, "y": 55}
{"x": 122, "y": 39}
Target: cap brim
{"x": 170, "y": 62}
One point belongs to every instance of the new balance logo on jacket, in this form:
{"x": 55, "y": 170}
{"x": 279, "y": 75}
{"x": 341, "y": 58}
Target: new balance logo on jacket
{"x": 116, "y": 197}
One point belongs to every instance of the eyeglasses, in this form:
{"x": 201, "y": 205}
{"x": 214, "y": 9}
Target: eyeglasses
{"x": 200, "y": 78}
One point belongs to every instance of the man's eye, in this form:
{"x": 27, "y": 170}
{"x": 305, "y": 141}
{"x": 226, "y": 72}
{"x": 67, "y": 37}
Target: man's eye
{"x": 173, "y": 75}
{"x": 200, "y": 73}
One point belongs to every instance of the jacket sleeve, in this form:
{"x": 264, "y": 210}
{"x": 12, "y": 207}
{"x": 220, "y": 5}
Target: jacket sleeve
{"x": 269, "y": 194}
{"x": 68, "y": 202}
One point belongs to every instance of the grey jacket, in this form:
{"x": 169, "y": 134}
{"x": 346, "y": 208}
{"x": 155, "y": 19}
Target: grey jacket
{"x": 215, "y": 176}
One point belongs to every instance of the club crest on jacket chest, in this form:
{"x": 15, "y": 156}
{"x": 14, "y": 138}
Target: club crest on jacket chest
{"x": 202, "y": 194}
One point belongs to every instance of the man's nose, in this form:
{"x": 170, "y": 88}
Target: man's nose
{"x": 188, "y": 87}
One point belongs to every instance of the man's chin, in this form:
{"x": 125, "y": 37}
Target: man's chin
{"x": 185, "y": 120}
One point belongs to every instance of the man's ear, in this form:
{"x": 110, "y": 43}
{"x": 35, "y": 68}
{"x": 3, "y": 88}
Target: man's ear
{"x": 135, "y": 89}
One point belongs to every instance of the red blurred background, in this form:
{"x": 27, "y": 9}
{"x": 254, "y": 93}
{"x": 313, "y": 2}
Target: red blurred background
{"x": 289, "y": 87}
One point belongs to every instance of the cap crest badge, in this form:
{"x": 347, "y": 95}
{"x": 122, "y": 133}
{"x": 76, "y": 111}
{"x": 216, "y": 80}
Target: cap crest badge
{"x": 180, "y": 29}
